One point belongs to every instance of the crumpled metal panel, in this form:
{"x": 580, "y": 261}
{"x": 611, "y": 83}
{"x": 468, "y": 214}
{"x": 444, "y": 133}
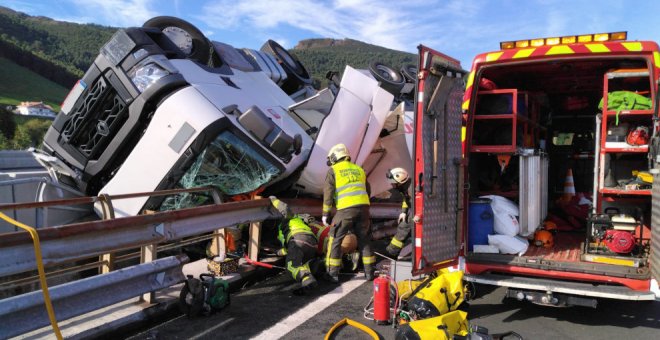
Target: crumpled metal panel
{"x": 441, "y": 195}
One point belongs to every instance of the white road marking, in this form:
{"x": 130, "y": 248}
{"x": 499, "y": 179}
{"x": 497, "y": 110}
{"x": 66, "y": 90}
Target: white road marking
{"x": 294, "y": 320}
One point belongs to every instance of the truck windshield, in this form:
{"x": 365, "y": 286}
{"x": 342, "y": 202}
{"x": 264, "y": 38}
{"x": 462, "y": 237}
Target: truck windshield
{"x": 229, "y": 164}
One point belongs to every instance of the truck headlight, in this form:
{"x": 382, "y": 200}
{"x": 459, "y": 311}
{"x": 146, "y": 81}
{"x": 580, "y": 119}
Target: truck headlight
{"x": 145, "y": 75}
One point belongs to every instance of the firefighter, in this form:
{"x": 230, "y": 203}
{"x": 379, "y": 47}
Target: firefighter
{"x": 347, "y": 189}
{"x": 299, "y": 244}
{"x": 400, "y": 181}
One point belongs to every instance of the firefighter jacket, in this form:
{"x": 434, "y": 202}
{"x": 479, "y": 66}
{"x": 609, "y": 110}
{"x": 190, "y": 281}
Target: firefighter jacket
{"x": 345, "y": 186}
{"x": 292, "y": 227}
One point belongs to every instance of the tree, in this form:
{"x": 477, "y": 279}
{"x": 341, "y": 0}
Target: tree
{"x": 7, "y": 123}
{"x": 36, "y": 129}
{"x": 21, "y": 139}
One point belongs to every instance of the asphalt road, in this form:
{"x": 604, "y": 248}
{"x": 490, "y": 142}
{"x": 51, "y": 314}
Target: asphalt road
{"x": 263, "y": 305}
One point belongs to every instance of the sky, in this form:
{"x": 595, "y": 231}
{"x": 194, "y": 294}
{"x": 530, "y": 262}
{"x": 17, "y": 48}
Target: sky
{"x": 461, "y": 29}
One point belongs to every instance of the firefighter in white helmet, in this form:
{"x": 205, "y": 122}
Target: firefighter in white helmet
{"x": 400, "y": 180}
{"x": 346, "y": 188}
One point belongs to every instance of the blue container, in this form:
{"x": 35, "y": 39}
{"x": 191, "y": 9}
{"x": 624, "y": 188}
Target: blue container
{"x": 480, "y": 222}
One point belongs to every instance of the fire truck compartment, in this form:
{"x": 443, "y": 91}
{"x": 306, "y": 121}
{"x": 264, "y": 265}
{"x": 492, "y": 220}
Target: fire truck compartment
{"x": 549, "y": 108}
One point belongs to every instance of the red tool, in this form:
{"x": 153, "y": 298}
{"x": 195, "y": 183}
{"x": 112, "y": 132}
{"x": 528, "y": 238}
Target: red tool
{"x": 382, "y": 300}
{"x": 262, "y": 264}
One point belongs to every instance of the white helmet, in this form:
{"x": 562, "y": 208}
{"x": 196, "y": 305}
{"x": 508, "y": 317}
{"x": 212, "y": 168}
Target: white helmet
{"x": 337, "y": 153}
{"x": 397, "y": 175}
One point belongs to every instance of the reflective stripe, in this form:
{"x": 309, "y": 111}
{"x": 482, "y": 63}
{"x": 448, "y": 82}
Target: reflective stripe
{"x": 404, "y": 205}
{"x": 656, "y": 58}
{"x": 369, "y": 259}
{"x": 349, "y": 194}
{"x": 493, "y": 56}
{"x": 466, "y": 104}
{"x": 326, "y": 208}
{"x": 633, "y": 46}
{"x": 524, "y": 53}
{"x": 597, "y": 48}
{"x": 396, "y": 243}
{"x": 561, "y": 49}
{"x": 294, "y": 270}
{"x": 332, "y": 262}
{"x": 359, "y": 185}
{"x": 470, "y": 80}
{"x": 327, "y": 253}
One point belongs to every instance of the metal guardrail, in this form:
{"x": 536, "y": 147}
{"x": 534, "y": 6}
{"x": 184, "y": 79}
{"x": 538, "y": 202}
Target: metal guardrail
{"x": 26, "y": 312}
{"x": 73, "y": 242}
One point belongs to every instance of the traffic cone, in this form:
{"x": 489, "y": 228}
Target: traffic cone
{"x": 569, "y": 186}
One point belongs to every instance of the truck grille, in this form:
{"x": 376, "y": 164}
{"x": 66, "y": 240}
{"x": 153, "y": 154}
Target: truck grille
{"x": 96, "y": 120}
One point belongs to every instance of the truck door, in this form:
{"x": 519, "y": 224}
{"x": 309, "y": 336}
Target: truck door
{"x": 438, "y": 163}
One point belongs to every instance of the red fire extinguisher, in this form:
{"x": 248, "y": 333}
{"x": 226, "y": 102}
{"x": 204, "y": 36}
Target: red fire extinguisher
{"x": 382, "y": 300}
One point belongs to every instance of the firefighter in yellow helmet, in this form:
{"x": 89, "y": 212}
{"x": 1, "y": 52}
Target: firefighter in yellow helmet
{"x": 400, "y": 181}
{"x": 347, "y": 189}
{"x": 299, "y": 244}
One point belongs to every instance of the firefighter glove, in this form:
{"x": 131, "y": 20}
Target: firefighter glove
{"x": 324, "y": 219}
{"x": 402, "y": 217}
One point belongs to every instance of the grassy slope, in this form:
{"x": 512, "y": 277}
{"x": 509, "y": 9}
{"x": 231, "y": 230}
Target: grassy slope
{"x": 19, "y": 84}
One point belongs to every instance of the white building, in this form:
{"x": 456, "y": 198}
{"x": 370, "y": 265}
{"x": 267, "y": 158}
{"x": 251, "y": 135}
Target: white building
{"x": 35, "y": 109}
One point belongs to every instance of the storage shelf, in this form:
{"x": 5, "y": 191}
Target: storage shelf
{"x": 609, "y": 191}
{"x": 629, "y": 113}
{"x": 623, "y": 147}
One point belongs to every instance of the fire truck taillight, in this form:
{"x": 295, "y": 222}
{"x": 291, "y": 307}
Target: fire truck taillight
{"x": 571, "y": 39}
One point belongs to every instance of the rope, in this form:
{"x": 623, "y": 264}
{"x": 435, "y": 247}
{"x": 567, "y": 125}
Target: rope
{"x": 40, "y": 269}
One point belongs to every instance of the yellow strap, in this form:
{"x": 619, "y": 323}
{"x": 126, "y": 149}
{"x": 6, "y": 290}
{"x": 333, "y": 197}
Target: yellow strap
{"x": 352, "y": 323}
{"x": 40, "y": 268}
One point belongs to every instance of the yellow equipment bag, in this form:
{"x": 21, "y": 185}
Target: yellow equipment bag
{"x": 440, "y": 327}
{"x": 442, "y": 294}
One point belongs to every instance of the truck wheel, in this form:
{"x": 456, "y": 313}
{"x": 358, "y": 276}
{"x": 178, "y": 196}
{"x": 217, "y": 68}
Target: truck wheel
{"x": 409, "y": 73}
{"x": 190, "y": 40}
{"x": 297, "y": 74}
{"x": 390, "y": 80}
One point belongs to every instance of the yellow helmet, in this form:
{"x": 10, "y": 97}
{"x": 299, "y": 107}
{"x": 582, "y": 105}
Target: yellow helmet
{"x": 397, "y": 175}
{"x": 337, "y": 153}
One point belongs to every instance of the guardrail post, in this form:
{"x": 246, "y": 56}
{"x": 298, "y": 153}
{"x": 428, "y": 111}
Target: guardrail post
{"x": 255, "y": 238}
{"x": 148, "y": 254}
{"x": 107, "y": 260}
{"x": 219, "y": 244}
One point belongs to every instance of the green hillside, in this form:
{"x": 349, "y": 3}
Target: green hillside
{"x": 323, "y": 55}
{"x": 20, "y": 84}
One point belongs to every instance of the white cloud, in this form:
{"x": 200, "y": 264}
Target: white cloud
{"x": 120, "y": 13}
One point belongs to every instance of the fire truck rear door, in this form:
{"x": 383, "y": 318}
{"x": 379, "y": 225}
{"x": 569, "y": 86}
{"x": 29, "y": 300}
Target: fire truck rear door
{"x": 438, "y": 202}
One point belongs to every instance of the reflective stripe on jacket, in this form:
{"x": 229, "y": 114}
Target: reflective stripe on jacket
{"x": 350, "y": 185}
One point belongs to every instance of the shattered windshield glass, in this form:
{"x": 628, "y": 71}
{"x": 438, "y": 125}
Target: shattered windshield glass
{"x": 227, "y": 163}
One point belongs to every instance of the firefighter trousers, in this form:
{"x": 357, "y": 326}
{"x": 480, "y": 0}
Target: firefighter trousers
{"x": 356, "y": 220}
{"x": 301, "y": 249}
{"x": 402, "y": 235}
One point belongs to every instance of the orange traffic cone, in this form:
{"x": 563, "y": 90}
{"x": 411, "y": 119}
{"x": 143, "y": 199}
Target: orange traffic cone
{"x": 569, "y": 186}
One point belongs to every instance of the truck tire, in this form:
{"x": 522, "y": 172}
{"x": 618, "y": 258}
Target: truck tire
{"x": 200, "y": 45}
{"x": 409, "y": 72}
{"x": 297, "y": 74}
{"x": 390, "y": 80}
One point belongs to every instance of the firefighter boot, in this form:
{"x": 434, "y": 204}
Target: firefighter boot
{"x": 308, "y": 281}
{"x": 393, "y": 250}
{"x": 332, "y": 276}
{"x": 369, "y": 272}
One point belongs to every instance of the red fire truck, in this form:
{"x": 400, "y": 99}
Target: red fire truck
{"x": 565, "y": 127}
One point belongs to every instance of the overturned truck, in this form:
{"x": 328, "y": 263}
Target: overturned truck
{"x": 164, "y": 107}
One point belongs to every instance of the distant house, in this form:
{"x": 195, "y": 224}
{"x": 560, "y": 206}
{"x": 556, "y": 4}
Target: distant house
{"x": 35, "y": 109}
